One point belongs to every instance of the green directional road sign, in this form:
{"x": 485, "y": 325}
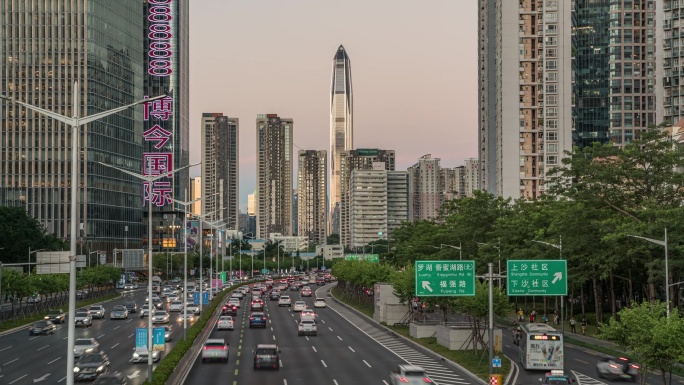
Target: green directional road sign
{"x": 445, "y": 278}
{"x": 537, "y": 277}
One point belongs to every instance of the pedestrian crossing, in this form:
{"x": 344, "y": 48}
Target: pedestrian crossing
{"x": 440, "y": 373}
{"x": 586, "y": 380}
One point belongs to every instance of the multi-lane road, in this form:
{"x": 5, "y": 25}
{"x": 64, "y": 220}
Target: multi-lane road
{"x": 42, "y": 359}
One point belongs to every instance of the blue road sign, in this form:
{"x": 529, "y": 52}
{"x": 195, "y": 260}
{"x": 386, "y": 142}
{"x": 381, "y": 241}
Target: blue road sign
{"x": 205, "y": 298}
{"x": 158, "y": 339}
{"x": 496, "y": 362}
{"x": 141, "y": 338}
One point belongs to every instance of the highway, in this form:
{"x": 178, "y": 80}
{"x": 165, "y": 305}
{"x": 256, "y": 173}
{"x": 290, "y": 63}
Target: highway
{"x": 347, "y": 350}
{"x": 42, "y": 359}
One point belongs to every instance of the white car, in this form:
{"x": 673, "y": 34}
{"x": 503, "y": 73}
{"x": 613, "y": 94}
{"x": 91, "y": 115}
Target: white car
{"x": 307, "y": 314}
{"x": 193, "y": 308}
{"x": 319, "y": 302}
{"x": 237, "y": 294}
{"x": 299, "y": 306}
{"x": 145, "y": 310}
{"x": 307, "y": 327}
{"x": 285, "y": 300}
{"x": 176, "y": 306}
{"x": 187, "y": 314}
{"x": 140, "y": 355}
{"x": 215, "y": 349}
{"x": 128, "y": 286}
{"x": 225, "y": 322}
{"x": 154, "y": 297}
{"x": 160, "y": 317}
{"x": 85, "y": 345}
{"x": 83, "y": 318}
{"x": 234, "y": 302}
{"x": 97, "y": 311}
{"x": 173, "y": 297}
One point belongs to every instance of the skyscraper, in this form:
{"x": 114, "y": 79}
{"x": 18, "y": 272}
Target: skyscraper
{"x": 341, "y": 128}
{"x": 312, "y": 185}
{"x": 425, "y": 195}
{"x": 274, "y": 175}
{"x": 220, "y": 141}
{"x": 44, "y": 47}
{"x": 195, "y": 193}
{"x": 525, "y": 94}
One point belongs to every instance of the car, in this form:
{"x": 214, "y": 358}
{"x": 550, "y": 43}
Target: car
{"x": 141, "y": 354}
{"x": 285, "y": 300}
{"x": 173, "y": 297}
{"x": 193, "y": 308}
{"x": 145, "y": 310}
{"x": 160, "y": 317}
{"x": 257, "y": 304}
{"x": 294, "y": 287}
{"x": 299, "y": 306}
{"x": 215, "y": 349}
{"x": 158, "y": 303}
{"x": 319, "y": 303}
{"x": 167, "y": 333}
{"x": 118, "y": 312}
{"x": 57, "y": 316}
{"x": 176, "y": 306}
{"x": 307, "y": 327}
{"x": 409, "y": 374}
{"x": 620, "y": 368}
{"x": 238, "y": 295}
{"x": 83, "y": 318}
{"x": 306, "y": 291}
{"x": 187, "y": 314}
{"x": 85, "y": 345}
{"x": 154, "y": 296}
{"x": 229, "y": 309}
{"x": 307, "y": 314}
{"x": 42, "y": 327}
{"x": 131, "y": 306}
{"x": 257, "y": 320}
{"x": 35, "y": 298}
{"x": 234, "y": 302}
{"x": 111, "y": 379}
{"x": 128, "y": 286}
{"x": 176, "y": 280}
{"x": 97, "y": 311}
{"x": 225, "y": 322}
{"x": 91, "y": 365}
{"x": 556, "y": 377}
{"x": 266, "y": 356}
{"x": 275, "y": 294}
{"x": 320, "y": 281}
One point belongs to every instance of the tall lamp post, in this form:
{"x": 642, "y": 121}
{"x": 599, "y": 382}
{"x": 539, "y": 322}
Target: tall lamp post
{"x": 214, "y": 226}
{"x": 75, "y": 122}
{"x": 558, "y": 246}
{"x": 29, "y": 262}
{"x": 149, "y": 179}
{"x": 185, "y": 205}
{"x": 498, "y": 249}
{"x": 667, "y": 270}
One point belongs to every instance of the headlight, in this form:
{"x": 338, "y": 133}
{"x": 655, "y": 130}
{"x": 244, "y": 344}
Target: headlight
{"x": 89, "y": 350}
{"x": 76, "y": 369}
{"x": 136, "y": 355}
{"x": 100, "y": 368}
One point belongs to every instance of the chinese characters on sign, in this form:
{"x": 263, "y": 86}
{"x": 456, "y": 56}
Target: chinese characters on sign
{"x": 445, "y": 278}
{"x": 158, "y": 163}
{"x": 537, "y": 277}
{"x": 160, "y": 52}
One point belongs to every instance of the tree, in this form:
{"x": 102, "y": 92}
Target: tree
{"x": 333, "y": 239}
{"x": 477, "y": 309}
{"x": 21, "y": 232}
{"x": 653, "y": 339}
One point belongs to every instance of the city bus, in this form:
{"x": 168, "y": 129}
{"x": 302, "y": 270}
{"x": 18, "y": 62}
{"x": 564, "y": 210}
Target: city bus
{"x": 541, "y": 347}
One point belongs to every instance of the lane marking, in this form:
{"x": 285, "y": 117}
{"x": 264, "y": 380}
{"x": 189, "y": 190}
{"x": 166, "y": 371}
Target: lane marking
{"x": 101, "y": 336}
{"x": 323, "y": 362}
{"x": 324, "y": 322}
{"x": 54, "y": 360}
{"x": 5, "y": 348}
{"x": 116, "y": 327}
{"x": 284, "y": 381}
{"x": 273, "y": 338}
{"x": 33, "y": 338}
{"x": 335, "y": 381}
{"x": 314, "y": 349}
{"x": 7, "y": 363}
{"x": 114, "y": 346}
{"x": 39, "y": 349}
{"x": 131, "y": 335}
{"x": 281, "y": 363}
{"x": 584, "y": 362}
{"x": 63, "y": 378}
{"x": 364, "y": 361}
{"x": 18, "y": 379}
{"x": 65, "y": 338}
{"x": 330, "y": 328}
{"x": 339, "y": 338}
{"x": 350, "y": 348}
{"x": 385, "y": 382}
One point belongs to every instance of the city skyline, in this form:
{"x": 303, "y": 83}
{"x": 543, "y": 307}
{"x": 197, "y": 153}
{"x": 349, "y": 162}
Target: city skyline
{"x": 434, "y": 96}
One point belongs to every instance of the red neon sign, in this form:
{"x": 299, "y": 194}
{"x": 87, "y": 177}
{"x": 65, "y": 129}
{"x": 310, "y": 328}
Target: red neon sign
{"x": 160, "y": 38}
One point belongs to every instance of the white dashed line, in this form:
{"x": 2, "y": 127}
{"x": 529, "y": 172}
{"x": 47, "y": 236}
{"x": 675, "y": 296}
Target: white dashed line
{"x": 101, "y": 336}
{"x": 54, "y": 360}
{"x": 7, "y": 363}
{"x": 314, "y": 349}
{"x": 39, "y": 349}
{"x": 323, "y": 362}
{"x": 5, "y": 348}
{"x": 364, "y": 361}
{"x": 330, "y": 328}
{"x": 18, "y": 379}
{"x": 114, "y": 346}
{"x": 339, "y": 338}
{"x": 131, "y": 335}
{"x": 353, "y": 351}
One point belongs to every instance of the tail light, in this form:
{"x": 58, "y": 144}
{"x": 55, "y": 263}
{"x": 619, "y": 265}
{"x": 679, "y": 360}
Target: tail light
{"x": 614, "y": 366}
{"x": 251, "y": 318}
{"x": 635, "y": 366}
{"x": 427, "y": 380}
{"x": 403, "y": 379}
{"x": 623, "y": 358}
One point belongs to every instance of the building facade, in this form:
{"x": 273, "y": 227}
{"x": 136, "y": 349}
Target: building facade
{"x": 195, "y": 193}
{"x": 274, "y": 175}
{"x": 378, "y": 205}
{"x": 425, "y": 194}
{"x": 359, "y": 159}
{"x": 525, "y": 114}
{"x": 251, "y": 204}
{"x": 312, "y": 186}
{"x": 45, "y": 46}
{"x": 341, "y": 129}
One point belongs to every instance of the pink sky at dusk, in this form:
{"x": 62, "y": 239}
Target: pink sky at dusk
{"x": 414, "y": 73}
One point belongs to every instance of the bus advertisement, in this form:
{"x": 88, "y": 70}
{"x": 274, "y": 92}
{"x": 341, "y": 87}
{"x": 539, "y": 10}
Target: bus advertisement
{"x": 541, "y": 347}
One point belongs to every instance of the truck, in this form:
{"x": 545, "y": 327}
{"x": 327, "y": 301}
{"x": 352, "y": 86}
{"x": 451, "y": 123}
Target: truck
{"x": 156, "y": 284}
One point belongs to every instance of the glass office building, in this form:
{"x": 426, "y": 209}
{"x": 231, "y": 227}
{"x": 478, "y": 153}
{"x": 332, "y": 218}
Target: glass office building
{"x": 46, "y": 45}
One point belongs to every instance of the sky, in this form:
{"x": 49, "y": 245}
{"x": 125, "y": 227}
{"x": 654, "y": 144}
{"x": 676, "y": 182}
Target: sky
{"x": 413, "y": 63}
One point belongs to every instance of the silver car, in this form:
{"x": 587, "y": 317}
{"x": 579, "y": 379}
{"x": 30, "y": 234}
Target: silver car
{"x": 409, "y": 374}
{"x": 160, "y": 317}
{"x": 140, "y": 355}
{"x": 145, "y": 310}
{"x": 118, "y": 312}
{"x": 97, "y": 311}
{"x": 215, "y": 349}
{"x": 85, "y": 345}
{"x": 83, "y": 318}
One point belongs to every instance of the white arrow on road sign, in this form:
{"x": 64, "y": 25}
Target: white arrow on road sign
{"x": 134, "y": 375}
{"x": 39, "y": 379}
{"x": 557, "y": 277}
{"x": 426, "y": 286}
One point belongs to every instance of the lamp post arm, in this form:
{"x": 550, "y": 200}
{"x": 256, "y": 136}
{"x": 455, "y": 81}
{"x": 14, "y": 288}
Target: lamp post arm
{"x": 59, "y": 117}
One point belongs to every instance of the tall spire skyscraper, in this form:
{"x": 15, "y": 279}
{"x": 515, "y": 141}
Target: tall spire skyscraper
{"x": 341, "y": 128}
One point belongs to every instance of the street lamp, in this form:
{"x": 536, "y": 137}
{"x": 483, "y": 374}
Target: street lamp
{"x": 29, "y": 262}
{"x": 214, "y": 226}
{"x": 667, "y": 272}
{"x": 558, "y": 246}
{"x": 498, "y": 249}
{"x": 201, "y": 253}
{"x": 441, "y": 246}
{"x": 75, "y": 122}
{"x": 149, "y": 179}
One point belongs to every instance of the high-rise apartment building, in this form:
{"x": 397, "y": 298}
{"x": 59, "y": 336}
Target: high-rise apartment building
{"x": 341, "y": 129}
{"x": 452, "y": 183}
{"x": 312, "y": 186}
{"x": 618, "y": 91}
{"x": 251, "y": 204}
{"x": 220, "y": 169}
{"x": 45, "y": 46}
{"x": 470, "y": 177}
{"x": 525, "y": 93}
{"x": 378, "y": 204}
{"x": 425, "y": 195}
{"x": 195, "y": 193}
{"x": 359, "y": 159}
{"x": 274, "y": 175}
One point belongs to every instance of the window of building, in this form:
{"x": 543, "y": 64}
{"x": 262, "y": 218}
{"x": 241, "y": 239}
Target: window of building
{"x": 552, "y": 124}
{"x": 552, "y": 160}
{"x": 551, "y": 41}
{"x": 551, "y": 136}
{"x": 552, "y": 100}
{"x": 551, "y": 64}
{"x": 552, "y": 148}
{"x": 552, "y": 76}
{"x": 552, "y": 112}
{"x": 552, "y": 88}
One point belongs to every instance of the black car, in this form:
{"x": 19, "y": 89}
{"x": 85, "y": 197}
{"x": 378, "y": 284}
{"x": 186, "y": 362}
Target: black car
{"x": 267, "y": 356}
{"x": 57, "y": 316}
{"x": 275, "y": 295}
{"x": 132, "y": 307}
{"x": 111, "y": 379}
{"x": 91, "y": 366}
{"x": 42, "y": 327}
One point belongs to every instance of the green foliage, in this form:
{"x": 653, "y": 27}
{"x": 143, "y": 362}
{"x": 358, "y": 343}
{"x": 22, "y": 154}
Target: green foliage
{"x": 653, "y": 339}
{"x": 21, "y": 232}
{"x": 404, "y": 284}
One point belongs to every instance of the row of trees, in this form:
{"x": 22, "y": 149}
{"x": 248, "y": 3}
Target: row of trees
{"x": 21, "y": 233}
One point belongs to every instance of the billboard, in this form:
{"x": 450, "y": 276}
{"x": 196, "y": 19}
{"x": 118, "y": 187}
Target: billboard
{"x": 133, "y": 258}
{"x": 56, "y": 262}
